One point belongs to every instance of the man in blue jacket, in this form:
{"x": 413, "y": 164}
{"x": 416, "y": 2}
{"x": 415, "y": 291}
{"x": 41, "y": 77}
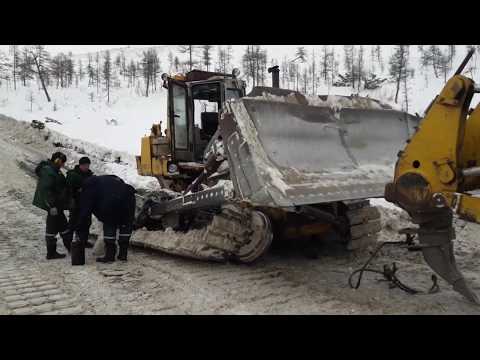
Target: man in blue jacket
{"x": 112, "y": 201}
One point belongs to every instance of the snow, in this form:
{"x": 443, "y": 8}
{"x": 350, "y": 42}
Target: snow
{"x": 336, "y": 102}
{"x": 86, "y": 120}
{"x": 103, "y": 159}
{"x": 384, "y": 204}
{"x": 339, "y": 102}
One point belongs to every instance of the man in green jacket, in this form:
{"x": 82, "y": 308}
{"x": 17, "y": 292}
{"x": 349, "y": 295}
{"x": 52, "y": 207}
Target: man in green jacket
{"x": 51, "y": 195}
{"x": 75, "y": 180}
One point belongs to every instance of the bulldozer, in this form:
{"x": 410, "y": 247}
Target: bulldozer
{"x": 437, "y": 173}
{"x": 239, "y": 171}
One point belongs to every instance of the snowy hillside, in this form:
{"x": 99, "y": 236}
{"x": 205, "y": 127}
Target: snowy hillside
{"x": 84, "y": 113}
{"x": 82, "y": 118}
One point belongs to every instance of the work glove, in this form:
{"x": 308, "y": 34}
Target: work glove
{"x": 53, "y": 211}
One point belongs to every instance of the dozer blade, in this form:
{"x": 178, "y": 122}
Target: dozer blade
{"x": 288, "y": 153}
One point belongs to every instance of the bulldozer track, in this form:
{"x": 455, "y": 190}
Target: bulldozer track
{"x": 236, "y": 233}
{"x": 365, "y": 224}
{"x": 244, "y": 234}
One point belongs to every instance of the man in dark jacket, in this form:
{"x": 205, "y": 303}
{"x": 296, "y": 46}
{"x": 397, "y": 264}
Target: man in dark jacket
{"x": 75, "y": 181}
{"x": 112, "y": 201}
{"x": 51, "y": 196}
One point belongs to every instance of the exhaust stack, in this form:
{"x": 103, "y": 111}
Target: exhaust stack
{"x": 275, "y": 76}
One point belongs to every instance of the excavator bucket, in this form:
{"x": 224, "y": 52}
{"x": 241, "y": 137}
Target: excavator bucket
{"x": 288, "y": 150}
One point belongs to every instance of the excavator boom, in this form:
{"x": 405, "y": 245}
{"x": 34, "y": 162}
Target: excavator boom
{"x": 433, "y": 171}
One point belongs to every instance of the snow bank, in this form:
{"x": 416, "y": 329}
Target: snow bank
{"x": 80, "y": 118}
{"x": 384, "y": 203}
{"x": 104, "y": 160}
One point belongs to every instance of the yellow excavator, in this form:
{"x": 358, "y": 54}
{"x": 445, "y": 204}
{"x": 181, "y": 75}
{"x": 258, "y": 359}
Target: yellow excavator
{"x": 436, "y": 172}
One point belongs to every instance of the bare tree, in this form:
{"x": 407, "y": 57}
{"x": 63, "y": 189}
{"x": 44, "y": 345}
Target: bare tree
{"x": 378, "y": 55}
{"x": 30, "y": 99}
{"x": 155, "y": 67}
{"x": 25, "y": 66}
{"x": 360, "y": 67}
{"x": 57, "y": 69}
{"x": 313, "y": 71}
{"x": 399, "y": 67}
{"x": 221, "y": 60}
{"x": 405, "y": 93}
{"x": 349, "y": 53}
{"x": 300, "y": 57}
{"x": 432, "y": 56}
{"x": 90, "y": 71}
{"x": 451, "y": 54}
{"x": 472, "y": 65}
{"x": 170, "y": 61}
{"x": 123, "y": 65}
{"x": 333, "y": 65}
{"x": 284, "y": 71}
{"x": 97, "y": 71}
{"x": 150, "y": 68}
{"x": 80, "y": 71}
{"x": 228, "y": 58}
{"x": 325, "y": 61}
{"x": 206, "y": 56}
{"x": 107, "y": 73}
{"x": 15, "y": 58}
{"x": 444, "y": 62}
{"x": 190, "y": 50}
{"x": 176, "y": 62}
{"x": 41, "y": 58}
{"x": 4, "y": 68}
{"x": 69, "y": 69}
{"x": 305, "y": 80}
{"x": 292, "y": 74}
{"x": 372, "y": 60}
{"x": 254, "y": 63}
{"x": 132, "y": 73}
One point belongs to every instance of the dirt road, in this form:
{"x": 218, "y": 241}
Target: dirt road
{"x": 283, "y": 282}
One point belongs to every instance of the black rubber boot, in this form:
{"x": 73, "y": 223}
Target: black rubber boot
{"x": 67, "y": 240}
{"x": 78, "y": 253}
{"x": 110, "y": 250}
{"x": 122, "y": 252}
{"x": 52, "y": 251}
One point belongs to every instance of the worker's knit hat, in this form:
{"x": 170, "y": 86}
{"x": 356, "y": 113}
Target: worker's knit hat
{"x": 84, "y": 160}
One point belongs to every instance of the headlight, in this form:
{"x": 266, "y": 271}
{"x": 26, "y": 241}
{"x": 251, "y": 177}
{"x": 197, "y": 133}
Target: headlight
{"x": 164, "y": 77}
{"x": 172, "y": 168}
{"x": 236, "y": 72}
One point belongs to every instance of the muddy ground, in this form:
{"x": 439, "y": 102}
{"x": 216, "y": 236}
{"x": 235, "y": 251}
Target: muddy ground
{"x": 284, "y": 282}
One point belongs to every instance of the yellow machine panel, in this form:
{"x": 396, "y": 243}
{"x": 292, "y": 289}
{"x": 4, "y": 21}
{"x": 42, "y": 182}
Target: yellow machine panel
{"x": 441, "y": 132}
{"x": 146, "y": 156}
{"x": 153, "y": 160}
